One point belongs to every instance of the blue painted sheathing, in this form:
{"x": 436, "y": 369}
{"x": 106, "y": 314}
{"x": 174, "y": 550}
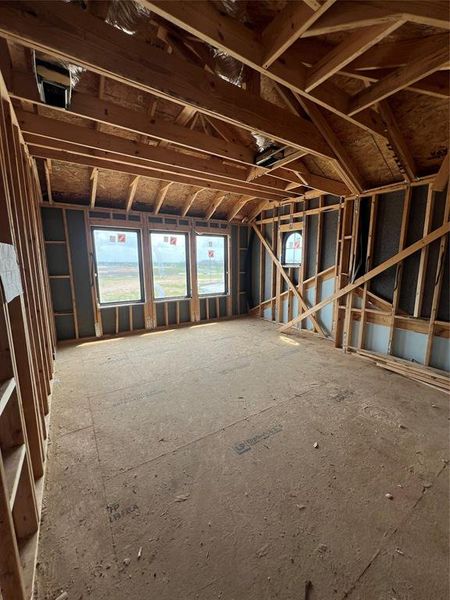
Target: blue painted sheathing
{"x": 309, "y": 297}
{"x": 284, "y": 311}
{"x": 440, "y": 353}
{"x": 325, "y": 314}
{"x": 409, "y": 345}
{"x": 376, "y": 337}
{"x": 267, "y": 313}
{"x": 354, "y": 333}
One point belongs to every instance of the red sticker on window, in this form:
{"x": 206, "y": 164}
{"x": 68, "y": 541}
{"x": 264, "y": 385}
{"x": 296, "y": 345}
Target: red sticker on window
{"x": 121, "y": 238}
{"x": 173, "y": 241}
{"x": 297, "y": 244}
{"x": 210, "y": 253}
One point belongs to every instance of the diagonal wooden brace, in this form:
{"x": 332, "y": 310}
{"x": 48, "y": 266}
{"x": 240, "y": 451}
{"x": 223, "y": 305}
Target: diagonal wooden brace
{"x": 291, "y": 286}
{"x": 434, "y": 235}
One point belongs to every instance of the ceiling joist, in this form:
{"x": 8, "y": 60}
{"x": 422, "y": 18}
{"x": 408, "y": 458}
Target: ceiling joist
{"x": 200, "y": 18}
{"x": 97, "y": 46}
{"x": 345, "y": 52}
{"x": 51, "y": 133}
{"x": 94, "y": 183}
{"x": 348, "y": 14}
{"x": 433, "y": 59}
{"x": 288, "y": 26}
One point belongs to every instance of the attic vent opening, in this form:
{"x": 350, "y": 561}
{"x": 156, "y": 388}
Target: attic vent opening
{"x": 54, "y": 81}
{"x": 269, "y": 156}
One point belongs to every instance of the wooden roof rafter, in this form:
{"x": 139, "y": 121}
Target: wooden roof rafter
{"x": 349, "y": 49}
{"x": 381, "y": 60}
{"x": 53, "y": 133}
{"x": 347, "y": 15}
{"x": 435, "y": 56}
{"x": 82, "y": 156}
{"x": 190, "y": 201}
{"x": 200, "y": 18}
{"x": 48, "y": 181}
{"x": 322, "y": 82}
{"x": 288, "y": 26}
{"x": 238, "y": 206}
{"x": 23, "y": 87}
{"x": 131, "y": 192}
{"x": 94, "y": 182}
{"x": 214, "y": 205}
{"x": 164, "y": 187}
{"x": 107, "y": 51}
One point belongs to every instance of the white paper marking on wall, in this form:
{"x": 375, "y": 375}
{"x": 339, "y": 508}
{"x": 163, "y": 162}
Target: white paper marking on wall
{"x": 9, "y": 272}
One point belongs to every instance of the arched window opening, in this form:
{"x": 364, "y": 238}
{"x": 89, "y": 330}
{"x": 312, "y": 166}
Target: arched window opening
{"x": 293, "y": 249}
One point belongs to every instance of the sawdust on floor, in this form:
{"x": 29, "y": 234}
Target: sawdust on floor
{"x": 227, "y": 461}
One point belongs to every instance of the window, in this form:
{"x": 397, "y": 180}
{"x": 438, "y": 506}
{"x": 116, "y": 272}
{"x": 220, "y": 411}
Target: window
{"x": 118, "y": 266}
{"x": 169, "y": 261}
{"x": 211, "y": 264}
{"x": 293, "y": 249}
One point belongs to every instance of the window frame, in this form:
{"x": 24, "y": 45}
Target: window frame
{"x": 226, "y": 238}
{"x": 188, "y": 265}
{"x": 286, "y": 236}
{"x": 142, "y": 299}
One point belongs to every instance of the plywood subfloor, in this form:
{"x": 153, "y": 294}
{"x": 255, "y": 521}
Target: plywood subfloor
{"x": 195, "y": 449}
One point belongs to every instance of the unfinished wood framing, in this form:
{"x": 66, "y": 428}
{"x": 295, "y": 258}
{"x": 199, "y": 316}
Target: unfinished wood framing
{"x": 173, "y": 163}
{"x": 27, "y": 348}
{"x": 354, "y": 303}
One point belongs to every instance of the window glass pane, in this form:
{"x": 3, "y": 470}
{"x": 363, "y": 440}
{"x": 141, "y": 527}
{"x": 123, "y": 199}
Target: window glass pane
{"x": 118, "y": 269}
{"x": 211, "y": 258}
{"x": 169, "y": 265}
{"x": 293, "y": 249}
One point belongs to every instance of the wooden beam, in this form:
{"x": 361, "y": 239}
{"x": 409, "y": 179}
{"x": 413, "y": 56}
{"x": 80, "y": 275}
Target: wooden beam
{"x": 161, "y": 195}
{"x": 435, "y": 235}
{"x": 99, "y": 47}
{"x": 228, "y": 132}
{"x": 399, "y": 268}
{"x": 131, "y": 192}
{"x": 380, "y": 61}
{"x": 57, "y": 149}
{"x": 200, "y": 18}
{"x": 282, "y": 272}
{"x": 423, "y": 259}
{"x": 238, "y": 206}
{"x": 152, "y": 156}
{"x": 398, "y": 143}
{"x": 287, "y": 27}
{"x": 48, "y": 171}
{"x": 324, "y": 184}
{"x": 81, "y": 156}
{"x": 433, "y": 60}
{"x": 436, "y": 85}
{"x": 23, "y": 87}
{"x": 345, "y": 52}
{"x": 314, "y": 4}
{"x": 348, "y": 14}
{"x": 94, "y": 181}
{"x": 388, "y": 55}
{"x": 189, "y": 201}
{"x": 299, "y": 175}
{"x": 437, "y": 283}
{"x": 344, "y": 163}
{"x": 257, "y": 210}
{"x": 288, "y": 158}
{"x": 12, "y": 577}
{"x": 217, "y": 201}
{"x": 441, "y": 179}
